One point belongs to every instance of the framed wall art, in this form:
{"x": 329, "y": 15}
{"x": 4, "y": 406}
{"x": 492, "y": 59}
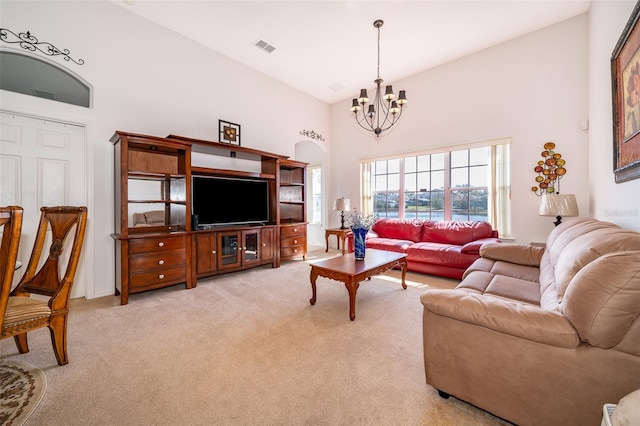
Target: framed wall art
{"x": 625, "y": 77}
{"x": 229, "y": 132}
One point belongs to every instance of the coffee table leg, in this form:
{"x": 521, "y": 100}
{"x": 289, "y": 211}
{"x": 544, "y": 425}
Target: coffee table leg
{"x": 326, "y": 239}
{"x": 314, "y": 276}
{"x": 404, "y": 273}
{"x": 352, "y": 288}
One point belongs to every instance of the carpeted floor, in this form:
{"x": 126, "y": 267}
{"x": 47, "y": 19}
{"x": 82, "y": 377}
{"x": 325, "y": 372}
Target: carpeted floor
{"x": 247, "y": 348}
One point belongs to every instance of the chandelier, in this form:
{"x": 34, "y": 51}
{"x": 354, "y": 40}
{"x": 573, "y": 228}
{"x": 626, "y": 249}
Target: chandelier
{"x": 385, "y": 110}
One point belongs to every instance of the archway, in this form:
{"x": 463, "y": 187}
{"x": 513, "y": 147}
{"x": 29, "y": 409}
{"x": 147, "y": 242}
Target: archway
{"x": 313, "y": 153}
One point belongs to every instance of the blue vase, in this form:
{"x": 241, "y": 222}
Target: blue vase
{"x": 359, "y": 242}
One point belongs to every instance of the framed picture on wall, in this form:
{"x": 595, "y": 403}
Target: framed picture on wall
{"x": 625, "y": 77}
{"x": 229, "y": 132}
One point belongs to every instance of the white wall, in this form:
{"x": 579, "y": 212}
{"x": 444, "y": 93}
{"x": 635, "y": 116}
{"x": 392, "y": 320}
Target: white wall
{"x": 617, "y": 203}
{"x": 532, "y": 89}
{"x": 146, "y": 79}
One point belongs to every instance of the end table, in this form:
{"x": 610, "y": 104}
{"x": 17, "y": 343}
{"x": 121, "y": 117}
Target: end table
{"x": 341, "y": 235}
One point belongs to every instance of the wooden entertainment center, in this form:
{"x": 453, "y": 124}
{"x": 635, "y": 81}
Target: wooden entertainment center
{"x": 154, "y": 174}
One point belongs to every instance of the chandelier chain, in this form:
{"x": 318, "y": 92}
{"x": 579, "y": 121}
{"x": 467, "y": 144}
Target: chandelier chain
{"x": 378, "y": 53}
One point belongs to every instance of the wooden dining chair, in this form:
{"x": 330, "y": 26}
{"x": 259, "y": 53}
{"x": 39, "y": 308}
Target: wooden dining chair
{"x": 42, "y": 276}
{"x": 11, "y": 223}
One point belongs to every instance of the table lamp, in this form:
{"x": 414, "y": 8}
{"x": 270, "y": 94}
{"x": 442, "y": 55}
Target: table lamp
{"x": 558, "y": 205}
{"x": 343, "y": 205}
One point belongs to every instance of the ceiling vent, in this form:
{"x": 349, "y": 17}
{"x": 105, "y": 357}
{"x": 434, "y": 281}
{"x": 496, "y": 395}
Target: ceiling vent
{"x": 264, "y": 46}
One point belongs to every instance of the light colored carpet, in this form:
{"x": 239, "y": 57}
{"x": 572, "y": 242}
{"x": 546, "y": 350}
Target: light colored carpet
{"x": 247, "y": 348}
{"x": 21, "y": 389}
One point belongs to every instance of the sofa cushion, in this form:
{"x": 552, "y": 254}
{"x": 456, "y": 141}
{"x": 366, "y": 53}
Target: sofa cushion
{"x": 439, "y": 254}
{"x": 389, "y": 244}
{"x": 399, "y": 229}
{"x": 508, "y": 288}
{"x": 473, "y": 247}
{"x": 574, "y": 244}
{"x": 603, "y": 299}
{"x": 155, "y": 216}
{"x": 455, "y": 232}
{"x": 513, "y": 253}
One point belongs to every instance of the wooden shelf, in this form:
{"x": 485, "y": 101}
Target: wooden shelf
{"x": 205, "y": 171}
{"x": 133, "y": 174}
{"x": 157, "y": 202}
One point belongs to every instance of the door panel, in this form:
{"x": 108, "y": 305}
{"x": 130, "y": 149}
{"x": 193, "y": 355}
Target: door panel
{"x": 43, "y": 163}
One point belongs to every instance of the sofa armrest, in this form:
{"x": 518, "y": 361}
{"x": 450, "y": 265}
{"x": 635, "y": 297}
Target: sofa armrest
{"x": 473, "y": 247}
{"x": 514, "y": 253}
{"x": 513, "y": 318}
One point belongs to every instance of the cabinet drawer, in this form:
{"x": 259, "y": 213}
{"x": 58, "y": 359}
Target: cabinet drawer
{"x": 144, "y": 245}
{"x": 287, "y": 231}
{"x": 159, "y": 276}
{"x": 293, "y": 241}
{"x": 156, "y": 260}
{"x": 286, "y": 252}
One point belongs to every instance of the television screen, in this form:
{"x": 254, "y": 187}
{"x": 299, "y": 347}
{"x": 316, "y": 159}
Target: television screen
{"x": 222, "y": 201}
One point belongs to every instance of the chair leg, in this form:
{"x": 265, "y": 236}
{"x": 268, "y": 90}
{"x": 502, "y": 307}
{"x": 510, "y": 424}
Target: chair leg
{"x": 22, "y": 343}
{"x": 58, "y": 330}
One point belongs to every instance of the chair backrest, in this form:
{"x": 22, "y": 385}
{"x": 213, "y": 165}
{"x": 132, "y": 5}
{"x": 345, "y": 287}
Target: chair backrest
{"x": 11, "y": 223}
{"x": 46, "y": 279}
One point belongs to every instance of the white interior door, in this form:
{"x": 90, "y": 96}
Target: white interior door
{"x": 42, "y": 163}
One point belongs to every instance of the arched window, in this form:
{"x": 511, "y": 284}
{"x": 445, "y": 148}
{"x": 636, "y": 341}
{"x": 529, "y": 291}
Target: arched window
{"x": 35, "y": 77}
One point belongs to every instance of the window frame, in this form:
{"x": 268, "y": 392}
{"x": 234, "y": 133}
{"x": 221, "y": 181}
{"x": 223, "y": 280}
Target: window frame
{"x": 497, "y": 184}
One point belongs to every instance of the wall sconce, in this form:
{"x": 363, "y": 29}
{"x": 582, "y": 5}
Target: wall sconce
{"x": 558, "y": 205}
{"x": 343, "y": 205}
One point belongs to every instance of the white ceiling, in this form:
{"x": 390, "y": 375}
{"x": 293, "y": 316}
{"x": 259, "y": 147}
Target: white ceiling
{"x": 328, "y": 49}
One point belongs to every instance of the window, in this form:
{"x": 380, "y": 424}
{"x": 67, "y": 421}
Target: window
{"x": 36, "y": 77}
{"x": 463, "y": 184}
{"x": 315, "y": 172}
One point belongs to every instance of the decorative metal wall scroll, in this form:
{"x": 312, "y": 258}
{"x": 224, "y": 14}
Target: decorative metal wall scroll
{"x": 312, "y": 134}
{"x": 31, "y": 43}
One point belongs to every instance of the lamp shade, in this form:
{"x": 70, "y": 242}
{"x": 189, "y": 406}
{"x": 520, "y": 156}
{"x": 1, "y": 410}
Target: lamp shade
{"x": 342, "y": 204}
{"x": 558, "y": 205}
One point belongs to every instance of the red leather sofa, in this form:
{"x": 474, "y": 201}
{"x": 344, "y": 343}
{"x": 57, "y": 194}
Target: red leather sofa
{"x": 443, "y": 248}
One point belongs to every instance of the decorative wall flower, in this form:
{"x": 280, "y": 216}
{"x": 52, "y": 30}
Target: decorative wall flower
{"x": 550, "y": 170}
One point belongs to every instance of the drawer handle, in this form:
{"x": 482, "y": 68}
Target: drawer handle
{"x": 160, "y": 244}
{"x": 295, "y": 241}
{"x": 264, "y": 245}
{"x": 295, "y": 229}
{"x": 213, "y": 251}
{"x": 295, "y": 251}
{"x": 161, "y": 276}
{"x": 161, "y": 262}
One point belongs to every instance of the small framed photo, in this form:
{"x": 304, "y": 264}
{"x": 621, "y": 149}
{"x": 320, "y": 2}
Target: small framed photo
{"x": 229, "y": 132}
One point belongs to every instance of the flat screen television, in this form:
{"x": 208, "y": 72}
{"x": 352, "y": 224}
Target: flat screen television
{"x": 226, "y": 201}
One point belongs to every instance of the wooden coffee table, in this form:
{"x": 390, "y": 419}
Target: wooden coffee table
{"x": 351, "y": 271}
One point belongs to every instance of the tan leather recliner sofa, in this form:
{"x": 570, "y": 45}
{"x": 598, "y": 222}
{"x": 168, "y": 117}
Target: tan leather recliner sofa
{"x": 541, "y": 336}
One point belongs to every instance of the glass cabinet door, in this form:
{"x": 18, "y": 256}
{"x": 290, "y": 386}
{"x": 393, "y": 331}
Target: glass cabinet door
{"x": 250, "y": 246}
{"x": 228, "y": 249}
